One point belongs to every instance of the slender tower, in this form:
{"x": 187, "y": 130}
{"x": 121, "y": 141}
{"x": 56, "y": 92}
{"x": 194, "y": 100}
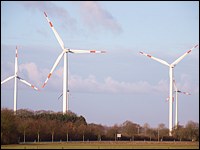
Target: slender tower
{"x": 15, "y": 82}
{"x": 171, "y": 67}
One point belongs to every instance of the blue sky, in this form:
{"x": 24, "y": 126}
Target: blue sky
{"x": 105, "y": 88}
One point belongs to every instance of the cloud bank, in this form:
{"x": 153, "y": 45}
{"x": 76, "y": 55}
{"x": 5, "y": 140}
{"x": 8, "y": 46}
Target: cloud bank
{"x": 91, "y": 12}
{"x": 89, "y": 84}
{"x": 110, "y": 85}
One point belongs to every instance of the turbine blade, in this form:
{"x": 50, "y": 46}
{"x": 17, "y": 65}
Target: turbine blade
{"x": 185, "y": 54}
{"x": 27, "y": 83}
{"x": 175, "y": 84}
{"x": 55, "y": 32}
{"x": 16, "y": 61}
{"x": 7, "y": 79}
{"x": 60, "y": 96}
{"x": 156, "y": 59}
{"x": 54, "y": 66}
{"x": 186, "y": 93}
{"x": 85, "y": 51}
{"x": 176, "y": 89}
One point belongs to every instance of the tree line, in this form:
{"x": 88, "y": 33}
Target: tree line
{"x": 42, "y": 126}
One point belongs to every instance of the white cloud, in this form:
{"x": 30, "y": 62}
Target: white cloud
{"x": 33, "y": 73}
{"x": 162, "y": 86}
{"x": 78, "y": 83}
{"x": 95, "y": 16}
{"x": 109, "y": 85}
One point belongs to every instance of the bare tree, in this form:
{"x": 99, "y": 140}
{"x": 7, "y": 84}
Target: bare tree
{"x": 192, "y": 130}
{"x": 161, "y": 131}
{"x": 23, "y": 126}
{"x": 8, "y": 127}
{"x": 146, "y": 126}
{"x": 68, "y": 129}
{"x": 112, "y": 132}
{"x": 81, "y": 129}
{"x": 179, "y": 132}
{"x": 130, "y": 129}
{"x": 51, "y": 126}
{"x": 38, "y": 125}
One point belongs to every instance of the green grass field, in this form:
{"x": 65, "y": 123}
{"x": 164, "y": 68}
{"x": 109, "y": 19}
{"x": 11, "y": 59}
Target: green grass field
{"x": 105, "y": 145}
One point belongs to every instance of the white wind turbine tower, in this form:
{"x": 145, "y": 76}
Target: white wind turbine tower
{"x": 171, "y": 66}
{"x": 15, "y": 83}
{"x": 64, "y": 53}
{"x": 177, "y": 91}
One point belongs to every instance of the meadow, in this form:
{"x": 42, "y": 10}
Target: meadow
{"x": 104, "y": 145}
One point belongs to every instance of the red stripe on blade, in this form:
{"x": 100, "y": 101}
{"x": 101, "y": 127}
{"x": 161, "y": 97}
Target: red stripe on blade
{"x": 43, "y": 85}
{"x": 149, "y": 55}
{"x": 51, "y": 24}
{"x": 189, "y": 51}
{"x": 49, "y": 75}
{"x": 92, "y": 51}
{"x": 45, "y": 14}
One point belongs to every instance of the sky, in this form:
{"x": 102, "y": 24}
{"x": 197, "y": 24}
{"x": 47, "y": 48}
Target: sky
{"x": 107, "y": 88}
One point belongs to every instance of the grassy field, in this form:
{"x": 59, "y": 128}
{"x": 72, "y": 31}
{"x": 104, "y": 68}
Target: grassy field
{"x": 105, "y": 145}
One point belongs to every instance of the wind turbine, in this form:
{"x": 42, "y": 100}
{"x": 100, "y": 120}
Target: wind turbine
{"x": 15, "y": 76}
{"x": 171, "y": 67}
{"x": 177, "y": 91}
{"x": 64, "y": 53}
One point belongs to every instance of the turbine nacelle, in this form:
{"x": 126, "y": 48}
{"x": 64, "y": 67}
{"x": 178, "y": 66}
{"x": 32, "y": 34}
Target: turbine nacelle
{"x": 172, "y": 65}
{"x": 66, "y": 50}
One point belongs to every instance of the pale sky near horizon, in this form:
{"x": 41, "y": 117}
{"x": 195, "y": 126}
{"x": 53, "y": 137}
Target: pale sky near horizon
{"x": 105, "y": 88}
